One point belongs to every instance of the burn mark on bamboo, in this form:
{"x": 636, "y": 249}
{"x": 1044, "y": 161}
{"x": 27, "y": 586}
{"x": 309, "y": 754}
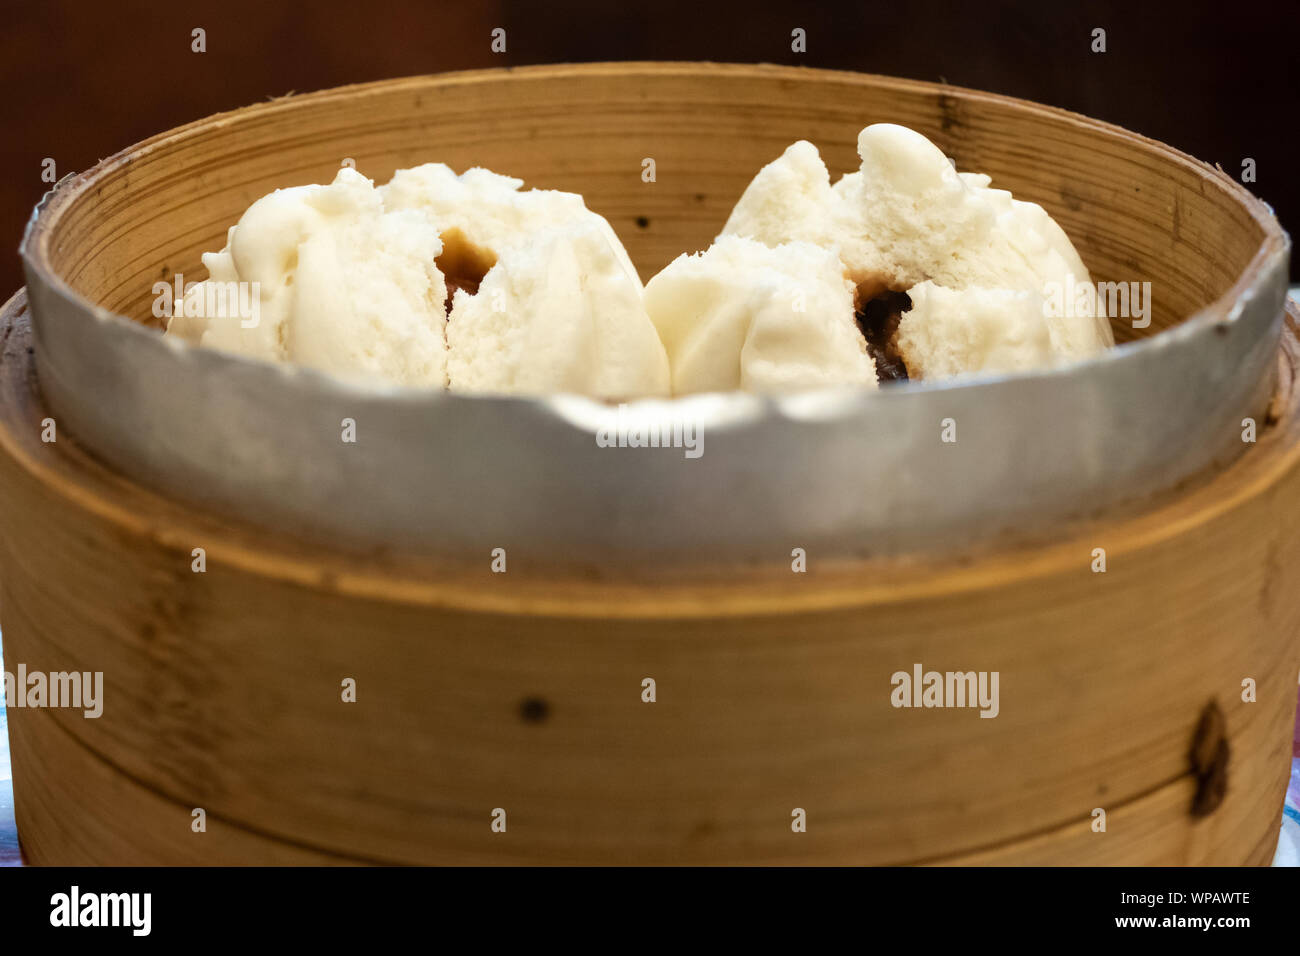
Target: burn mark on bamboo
{"x": 949, "y": 113}
{"x": 1209, "y": 756}
{"x": 534, "y": 710}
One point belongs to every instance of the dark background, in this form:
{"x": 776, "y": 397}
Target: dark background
{"x": 85, "y": 80}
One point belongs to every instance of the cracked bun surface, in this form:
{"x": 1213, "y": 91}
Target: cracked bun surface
{"x": 904, "y": 269}
{"x": 433, "y": 280}
{"x": 978, "y": 264}
{"x": 743, "y": 315}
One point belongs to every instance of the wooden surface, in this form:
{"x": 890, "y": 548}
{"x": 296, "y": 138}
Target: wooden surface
{"x": 478, "y": 691}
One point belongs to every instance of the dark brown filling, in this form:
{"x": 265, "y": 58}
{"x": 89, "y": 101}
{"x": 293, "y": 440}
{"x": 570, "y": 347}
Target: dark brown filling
{"x": 468, "y": 283}
{"x": 878, "y": 318}
{"x": 462, "y": 264}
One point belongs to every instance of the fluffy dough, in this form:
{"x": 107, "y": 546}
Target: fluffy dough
{"x": 907, "y": 217}
{"x": 561, "y": 314}
{"x": 354, "y": 281}
{"x": 949, "y": 332}
{"x": 345, "y": 287}
{"x": 759, "y": 318}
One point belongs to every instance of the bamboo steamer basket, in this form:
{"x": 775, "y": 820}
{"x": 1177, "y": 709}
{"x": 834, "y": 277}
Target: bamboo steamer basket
{"x": 522, "y": 692}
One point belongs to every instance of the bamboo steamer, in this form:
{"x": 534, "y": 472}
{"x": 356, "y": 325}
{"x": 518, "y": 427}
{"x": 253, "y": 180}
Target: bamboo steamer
{"x": 844, "y": 472}
{"x": 222, "y": 689}
{"x": 523, "y": 692}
